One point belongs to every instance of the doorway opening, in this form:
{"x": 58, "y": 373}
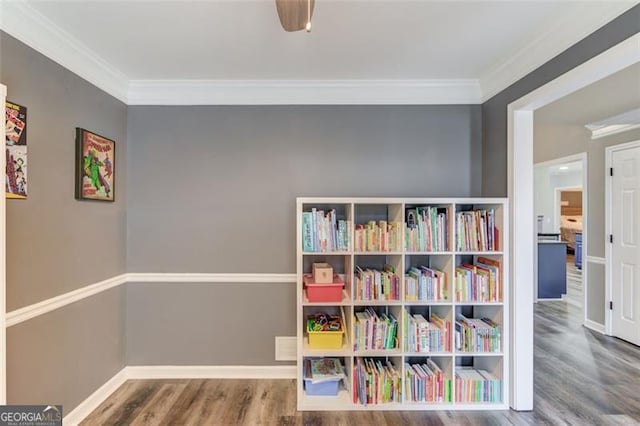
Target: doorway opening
{"x": 560, "y": 191}
{"x": 520, "y": 138}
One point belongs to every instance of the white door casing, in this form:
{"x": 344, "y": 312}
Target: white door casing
{"x": 624, "y": 259}
{"x": 520, "y": 181}
{"x": 3, "y": 308}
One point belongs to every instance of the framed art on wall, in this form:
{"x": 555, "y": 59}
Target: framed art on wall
{"x": 95, "y": 166}
{"x": 16, "y": 151}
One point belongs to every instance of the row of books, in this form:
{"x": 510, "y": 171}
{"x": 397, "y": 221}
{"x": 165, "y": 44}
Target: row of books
{"x": 427, "y": 229}
{"x": 382, "y": 236}
{"x": 480, "y": 282}
{"x": 376, "y": 382}
{"x": 427, "y": 336}
{"x": 374, "y": 332}
{"x": 477, "y": 386}
{"x": 425, "y": 284}
{"x": 372, "y": 284}
{"x": 477, "y": 335}
{"x": 426, "y": 382}
{"x": 324, "y": 232}
{"x": 476, "y": 231}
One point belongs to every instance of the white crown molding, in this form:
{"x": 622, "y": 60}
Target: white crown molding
{"x": 546, "y": 46}
{"x": 25, "y": 23}
{"x": 94, "y": 400}
{"x": 209, "y": 278}
{"x": 624, "y": 122}
{"x": 612, "y": 129}
{"x": 303, "y": 92}
{"x": 57, "y": 302}
{"x": 146, "y": 372}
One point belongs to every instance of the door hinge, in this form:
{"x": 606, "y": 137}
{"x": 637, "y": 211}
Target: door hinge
{"x": 611, "y": 238}
{"x": 610, "y": 171}
{"x": 611, "y": 305}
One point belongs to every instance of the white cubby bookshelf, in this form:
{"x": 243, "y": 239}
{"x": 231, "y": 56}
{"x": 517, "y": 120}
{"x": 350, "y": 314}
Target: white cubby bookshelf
{"x": 362, "y": 210}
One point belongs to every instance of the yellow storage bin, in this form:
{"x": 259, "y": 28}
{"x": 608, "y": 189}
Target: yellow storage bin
{"x": 325, "y": 339}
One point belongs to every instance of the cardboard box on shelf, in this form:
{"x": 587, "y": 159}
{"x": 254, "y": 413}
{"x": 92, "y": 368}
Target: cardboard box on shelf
{"x": 322, "y": 273}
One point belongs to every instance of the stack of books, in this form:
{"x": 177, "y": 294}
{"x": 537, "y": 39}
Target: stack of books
{"x": 427, "y": 229}
{"x": 477, "y": 386}
{"x": 426, "y": 383}
{"x": 378, "y": 237}
{"x": 477, "y": 335}
{"x": 476, "y": 231}
{"x": 372, "y": 284}
{"x": 479, "y": 282}
{"x": 374, "y": 332}
{"x": 376, "y": 382}
{"x": 427, "y": 336}
{"x": 323, "y": 233}
{"x": 425, "y": 284}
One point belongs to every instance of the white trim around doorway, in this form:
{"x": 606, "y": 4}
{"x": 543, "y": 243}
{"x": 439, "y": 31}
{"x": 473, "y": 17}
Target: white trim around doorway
{"x": 520, "y": 185}
{"x": 3, "y": 265}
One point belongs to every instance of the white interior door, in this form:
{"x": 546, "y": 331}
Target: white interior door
{"x": 625, "y": 248}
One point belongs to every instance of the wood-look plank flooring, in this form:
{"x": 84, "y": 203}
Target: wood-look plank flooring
{"x": 581, "y": 378}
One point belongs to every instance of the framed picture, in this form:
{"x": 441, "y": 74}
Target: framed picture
{"x": 95, "y": 166}
{"x": 16, "y": 151}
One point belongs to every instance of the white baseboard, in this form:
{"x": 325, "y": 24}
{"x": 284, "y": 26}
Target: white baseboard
{"x": 592, "y": 325}
{"x": 87, "y": 406}
{"x": 139, "y": 372}
{"x": 211, "y": 372}
{"x": 595, "y": 259}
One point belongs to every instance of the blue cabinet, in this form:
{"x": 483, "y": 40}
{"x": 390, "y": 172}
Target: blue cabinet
{"x": 552, "y": 269}
{"x": 578, "y": 251}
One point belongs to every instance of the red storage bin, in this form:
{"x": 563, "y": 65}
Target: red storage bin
{"x": 321, "y": 292}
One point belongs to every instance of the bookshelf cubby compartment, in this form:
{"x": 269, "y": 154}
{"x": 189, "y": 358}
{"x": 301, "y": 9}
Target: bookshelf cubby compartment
{"x": 466, "y": 242}
{"x": 429, "y": 383}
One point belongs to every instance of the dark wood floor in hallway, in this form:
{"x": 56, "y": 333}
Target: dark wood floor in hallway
{"x": 581, "y": 378}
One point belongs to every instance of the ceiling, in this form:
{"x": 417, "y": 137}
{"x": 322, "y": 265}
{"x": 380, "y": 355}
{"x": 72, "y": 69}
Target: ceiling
{"x": 460, "y": 51}
{"x": 566, "y": 168}
{"x": 612, "y": 97}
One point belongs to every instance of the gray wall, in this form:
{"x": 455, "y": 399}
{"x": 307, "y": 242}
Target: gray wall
{"x": 65, "y": 355}
{"x": 50, "y": 235}
{"x": 596, "y": 304}
{"x": 212, "y": 189}
{"x": 494, "y": 111}
{"x": 552, "y": 141}
{"x": 207, "y": 324}
{"x": 56, "y": 244}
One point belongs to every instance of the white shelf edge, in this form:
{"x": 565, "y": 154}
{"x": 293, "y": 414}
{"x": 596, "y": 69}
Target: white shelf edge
{"x": 361, "y": 303}
{"x": 427, "y": 354}
{"x": 478, "y": 354}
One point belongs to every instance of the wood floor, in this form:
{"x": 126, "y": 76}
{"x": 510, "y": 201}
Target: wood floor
{"x": 581, "y": 378}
